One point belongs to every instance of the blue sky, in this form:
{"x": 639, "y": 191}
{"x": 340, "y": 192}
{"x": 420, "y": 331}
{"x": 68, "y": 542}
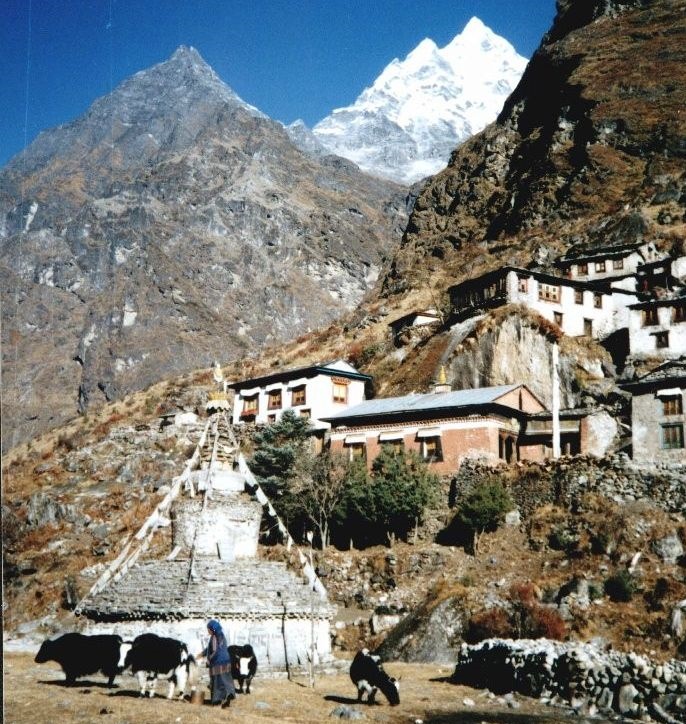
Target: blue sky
{"x": 290, "y": 58}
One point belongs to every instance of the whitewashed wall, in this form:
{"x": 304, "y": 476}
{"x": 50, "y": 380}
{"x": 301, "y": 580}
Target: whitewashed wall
{"x": 642, "y": 338}
{"x": 276, "y": 640}
{"x": 613, "y": 315}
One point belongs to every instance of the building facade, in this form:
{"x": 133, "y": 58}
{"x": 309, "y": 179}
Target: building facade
{"x": 313, "y": 392}
{"x": 657, "y": 414}
{"x": 443, "y": 428}
{"x": 657, "y": 328}
{"x": 577, "y": 308}
{"x": 413, "y": 319}
{"x": 607, "y": 262}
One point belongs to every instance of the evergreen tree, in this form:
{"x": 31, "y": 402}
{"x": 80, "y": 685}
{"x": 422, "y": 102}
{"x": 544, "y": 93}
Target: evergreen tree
{"x": 483, "y": 509}
{"x": 282, "y": 449}
{"x": 390, "y": 501}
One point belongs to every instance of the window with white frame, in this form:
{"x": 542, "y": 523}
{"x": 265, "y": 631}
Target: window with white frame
{"x": 432, "y": 450}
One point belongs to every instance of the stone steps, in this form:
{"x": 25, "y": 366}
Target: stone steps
{"x": 249, "y": 586}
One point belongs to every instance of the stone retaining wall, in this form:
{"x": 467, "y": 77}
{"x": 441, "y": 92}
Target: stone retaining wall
{"x": 589, "y": 679}
{"x": 563, "y": 481}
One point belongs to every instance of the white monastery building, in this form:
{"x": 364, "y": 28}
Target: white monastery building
{"x": 315, "y": 392}
{"x": 578, "y": 308}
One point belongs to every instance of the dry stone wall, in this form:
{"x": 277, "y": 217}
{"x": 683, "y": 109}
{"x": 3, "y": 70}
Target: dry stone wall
{"x": 588, "y": 679}
{"x": 563, "y": 481}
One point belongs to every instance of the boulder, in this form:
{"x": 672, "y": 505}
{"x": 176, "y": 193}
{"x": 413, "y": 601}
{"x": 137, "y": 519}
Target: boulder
{"x": 669, "y": 549}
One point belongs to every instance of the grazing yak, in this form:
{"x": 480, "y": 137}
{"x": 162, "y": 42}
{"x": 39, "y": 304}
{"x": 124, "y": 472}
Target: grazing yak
{"x": 150, "y": 656}
{"x": 368, "y": 675}
{"x": 80, "y": 655}
{"x": 243, "y": 665}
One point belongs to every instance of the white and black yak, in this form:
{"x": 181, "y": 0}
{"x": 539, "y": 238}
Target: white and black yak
{"x": 368, "y": 675}
{"x": 243, "y": 665}
{"x": 152, "y": 656}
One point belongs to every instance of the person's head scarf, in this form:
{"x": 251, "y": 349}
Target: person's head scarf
{"x": 215, "y": 627}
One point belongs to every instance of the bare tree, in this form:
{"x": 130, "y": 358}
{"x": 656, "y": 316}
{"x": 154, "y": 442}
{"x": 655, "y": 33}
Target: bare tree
{"x": 320, "y": 483}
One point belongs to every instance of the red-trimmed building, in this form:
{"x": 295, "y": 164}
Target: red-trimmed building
{"x": 444, "y": 428}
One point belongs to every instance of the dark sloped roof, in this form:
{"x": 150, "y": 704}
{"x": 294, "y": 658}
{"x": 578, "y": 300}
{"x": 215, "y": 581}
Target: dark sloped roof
{"x": 669, "y": 372}
{"x": 601, "y": 286}
{"x": 294, "y": 372}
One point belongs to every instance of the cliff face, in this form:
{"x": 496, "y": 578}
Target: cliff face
{"x": 512, "y": 346}
{"x": 594, "y": 132}
{"x": 171, "y": 225}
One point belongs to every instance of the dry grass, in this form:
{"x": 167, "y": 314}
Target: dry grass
{"x": 35, "y": 694}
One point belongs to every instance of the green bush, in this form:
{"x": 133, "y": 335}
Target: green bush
{"x": 482, "y": 510}
{"x": 564, "y": 539}
{"x": 620, "y": 587}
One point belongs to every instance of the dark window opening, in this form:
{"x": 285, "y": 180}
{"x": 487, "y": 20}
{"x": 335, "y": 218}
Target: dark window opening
{"x": 672, "y": 406}
{"x": 432, "y": 451}
{"x": 662, "y": 340}
{"x": 672, "y": 436}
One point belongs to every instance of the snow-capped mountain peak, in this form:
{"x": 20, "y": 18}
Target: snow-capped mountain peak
{"x": 405, "y": 125}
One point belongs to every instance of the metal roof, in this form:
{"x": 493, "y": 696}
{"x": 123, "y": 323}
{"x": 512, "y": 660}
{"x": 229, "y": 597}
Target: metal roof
{"x": 425, "y": 402}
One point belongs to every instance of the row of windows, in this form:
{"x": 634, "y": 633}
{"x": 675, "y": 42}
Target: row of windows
{"x": 298, "y": 398}
{"x": 597, "y": 298}
{"x": 274, "y": 401}
{"x": 588, "y": 323}
{"x": 601, "y": 266}
{"x": 431, "y": 449}
{"x": 551, "y": 293}
{"x": 305, "y": 413}
{"x": 650, "y": 315}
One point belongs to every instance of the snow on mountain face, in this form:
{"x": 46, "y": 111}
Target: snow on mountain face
{"x": 405, "y": 125}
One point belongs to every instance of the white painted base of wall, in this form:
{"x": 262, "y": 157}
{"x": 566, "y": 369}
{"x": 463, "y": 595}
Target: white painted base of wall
{"x": 277, "y": 642}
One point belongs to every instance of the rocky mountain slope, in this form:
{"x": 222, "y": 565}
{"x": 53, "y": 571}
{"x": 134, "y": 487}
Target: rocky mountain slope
{"x": 170, "y": 225}
{"x": 405, "y": 125}
{"x": 592, "y": 135}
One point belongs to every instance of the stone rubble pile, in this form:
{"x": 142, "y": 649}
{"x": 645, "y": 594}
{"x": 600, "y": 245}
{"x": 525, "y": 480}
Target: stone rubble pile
{"x": 584, "y": 677}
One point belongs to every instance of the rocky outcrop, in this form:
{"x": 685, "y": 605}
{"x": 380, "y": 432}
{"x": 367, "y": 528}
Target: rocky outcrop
{"x": 512, "y": 348}
{"x": 171, "y": 225}
{"x": 582, "y": 676}
{"x": 572, "y": 151}
{"x": 424, "y": 636}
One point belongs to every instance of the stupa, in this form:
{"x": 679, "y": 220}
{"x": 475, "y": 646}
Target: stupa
{"x": 210, "y": 566}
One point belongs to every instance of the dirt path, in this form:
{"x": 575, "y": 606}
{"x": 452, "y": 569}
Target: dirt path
{"x": 35, "y": 694}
